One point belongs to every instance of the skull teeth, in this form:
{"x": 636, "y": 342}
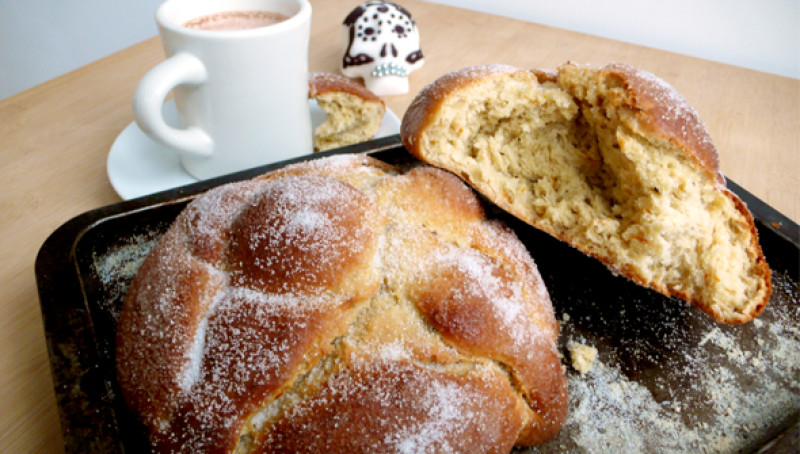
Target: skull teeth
{"x": 390, "y": 69}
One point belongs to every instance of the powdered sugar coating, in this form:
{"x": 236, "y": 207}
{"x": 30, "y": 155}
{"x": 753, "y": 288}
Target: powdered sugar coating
{"x": 412, "y": 409}
{"x": 300, "y": 234}
{"x": 484, "y": 307}
{"x": 247, "y": 319}
{"x": 206, "y": 220}
{"x": 252, "y": 344}
{"x": 472, "y": 279}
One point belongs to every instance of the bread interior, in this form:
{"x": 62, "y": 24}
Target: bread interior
{"x": 349, "y": 120}
{"x": 563, "y": 158}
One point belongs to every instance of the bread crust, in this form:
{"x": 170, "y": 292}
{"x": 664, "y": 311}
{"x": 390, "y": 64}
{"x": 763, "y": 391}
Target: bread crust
{"x": 423, "y": 109}
{"x": 660, "y": 111}
{"x": 320, "y": 83}
{"x": 663, "y": 112}
{"x": 322, "y": 293}
{"x": 343, "y": 419}
{"x": 651, "y": 107}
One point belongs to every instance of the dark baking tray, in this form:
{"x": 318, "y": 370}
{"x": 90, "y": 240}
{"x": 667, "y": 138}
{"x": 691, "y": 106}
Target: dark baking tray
{"x": 667, "y": 378}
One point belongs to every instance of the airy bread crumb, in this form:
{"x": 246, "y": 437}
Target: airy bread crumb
{"x": 612, "y": 161}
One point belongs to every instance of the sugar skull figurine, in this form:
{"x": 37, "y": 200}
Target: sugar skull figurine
{"x": 382, "y": 47}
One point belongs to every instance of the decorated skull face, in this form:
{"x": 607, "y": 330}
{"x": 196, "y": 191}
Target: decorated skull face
{"x": 382, "y": 47}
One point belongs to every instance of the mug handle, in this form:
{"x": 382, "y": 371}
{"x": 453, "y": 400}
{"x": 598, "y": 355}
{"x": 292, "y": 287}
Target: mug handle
{"x": 180, "y": 69}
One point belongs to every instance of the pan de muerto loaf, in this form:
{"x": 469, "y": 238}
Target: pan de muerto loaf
{"x": 612, "y": 161}
{"x": 341, "y": 305}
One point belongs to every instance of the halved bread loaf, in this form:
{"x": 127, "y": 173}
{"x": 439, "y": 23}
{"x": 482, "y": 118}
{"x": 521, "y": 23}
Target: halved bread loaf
{"x": 612, "y": 161}
{"x": 354, "y": 113}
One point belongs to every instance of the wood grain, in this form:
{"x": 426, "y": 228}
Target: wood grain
{"x": 54, "y": 140}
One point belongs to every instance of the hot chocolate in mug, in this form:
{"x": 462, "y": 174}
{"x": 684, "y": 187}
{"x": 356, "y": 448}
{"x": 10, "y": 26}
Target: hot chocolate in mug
{"x": 238, "y": 70}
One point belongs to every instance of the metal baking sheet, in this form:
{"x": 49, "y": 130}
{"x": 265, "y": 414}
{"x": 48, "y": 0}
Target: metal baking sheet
{"x": 666, "y": 379}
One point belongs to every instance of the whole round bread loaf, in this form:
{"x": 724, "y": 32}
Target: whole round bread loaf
{"x": 612, "y": 161}
{"x": 341, "y": 305}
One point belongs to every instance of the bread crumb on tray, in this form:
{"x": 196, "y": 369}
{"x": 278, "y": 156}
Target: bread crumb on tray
{"x": 582, "y": 356}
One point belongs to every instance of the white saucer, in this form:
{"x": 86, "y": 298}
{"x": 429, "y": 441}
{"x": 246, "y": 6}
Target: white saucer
{"x": 138, "y": 166}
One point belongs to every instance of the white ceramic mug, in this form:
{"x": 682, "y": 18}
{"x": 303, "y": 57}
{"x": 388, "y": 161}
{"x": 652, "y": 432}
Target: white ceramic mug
{"x": 242, "y": 95}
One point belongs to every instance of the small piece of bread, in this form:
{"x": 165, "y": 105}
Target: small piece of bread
{"x": 341, "y": 305}
{"x": 611, "y": 160}
{"x": 354, "y": 114}
{"x": 582, "y": 356}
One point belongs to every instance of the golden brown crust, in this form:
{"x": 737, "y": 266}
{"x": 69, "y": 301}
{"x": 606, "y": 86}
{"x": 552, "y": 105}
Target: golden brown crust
{"x": 341, "y": 169}
{"x": 320, "y": 83}
{"x": 276, "y": 307}
{"x": 544, "y": 75}
{"x": 762, "y": 268}
{"x": 483, "y": 320}
{"x": 151, "y": 386}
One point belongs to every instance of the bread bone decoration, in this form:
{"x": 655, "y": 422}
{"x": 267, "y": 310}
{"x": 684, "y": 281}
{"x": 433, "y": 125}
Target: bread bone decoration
{"x": 611, "y": 160}
{"x": 340, "y": 305}
{"x": 354, "y": 114}
{"x": 381, "y": 46}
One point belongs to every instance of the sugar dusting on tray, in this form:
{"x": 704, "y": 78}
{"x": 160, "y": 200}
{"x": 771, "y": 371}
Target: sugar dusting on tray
{"x": 116, "y": 268}
{"x": 716, "y": 395}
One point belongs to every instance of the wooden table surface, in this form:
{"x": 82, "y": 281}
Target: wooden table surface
{"x": 55, "y": 138}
